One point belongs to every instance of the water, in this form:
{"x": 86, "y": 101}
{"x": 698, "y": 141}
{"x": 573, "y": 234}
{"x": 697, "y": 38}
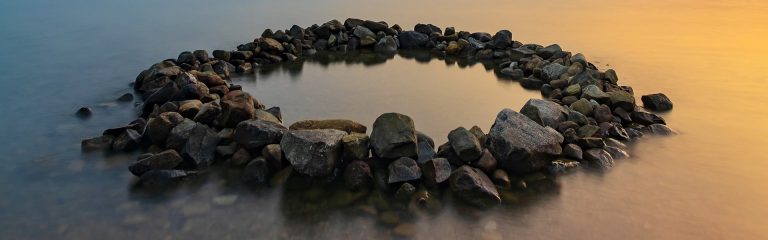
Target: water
{"x": 706, "y": 183}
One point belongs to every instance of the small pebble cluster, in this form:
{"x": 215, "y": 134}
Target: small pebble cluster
{"x": 192, "y": 118}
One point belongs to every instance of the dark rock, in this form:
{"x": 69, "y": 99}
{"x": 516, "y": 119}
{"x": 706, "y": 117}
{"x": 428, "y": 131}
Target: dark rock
{"x": 158, "y": 128}
{"x": 502, "y": 39}
{"x": 501, "y": 179}
{"x": 275, "y": 111}
{"x": 553, "y": 71}
{"x": 394, "y": 136}
{"x": 622, "y": 99}
{"x": 200, "y": 147}
{"x": 100, "y": 143}
{"x": 544, "y": 112}
{"x": 487, "y": 162}
{"x": 588, "y": 130}
{"x": 357, "y": 175}
{"x": 201, "y": 56}
{"x": 618, "y": 132}
{"x": 450, "y": 31}
{"x": 271, "y": 45}
{"x": 549, "y": 51}
{"x": 356, "y": 146}
{"x": 348, "y": 126}
{"x": 599, "y": 158}
{"x": 602, "y": 113}
{"x": 313, "y": 152}
{"x": 387, "y": 45}
{"x": 164, "y": 160}
{"x": 583, "y": 106}
{"x": 465, "y": 144}
{"x": 221, "y": 55}
{"x": 403, "y": 169}
{"x": 127, "y": 97}
{"x": 659, "y": 129}
{"x": 520, "y": 144}
{"x": 616, "y": 153}
{"x": 128, "y": 140}
{"x": 446, "y": 151}
{"x": 208, "y": 113}
{"x": 436, "y": 171}
{"x": 591, "y": 142}
{"x": 255, "y": 134}
{"x": 412, "y": 39}
{"x": 564, "y": 126}
{"x": 161, "y": 178}
{"x": 240, "y": 158}
{"x": 646, "y": 118}
{"x": 427, "y": 29}
{"x": 236, "y": 106}
{"x": 405, "y": 192}
{"x": 273, "y": 153}
{"x": 577, "y": 117}
{"x": 351, "y": 23}
{"x": 562, "y": 166}
{"x": 531, "y": 83}
{"x": 256, "y": 171}
{"x": 657, "y": 102}
{"x": 592, "y": 92}
{"x": 190, "y": 108}
{"x": 474, "y": 187}
{"x": 573, "y": 151}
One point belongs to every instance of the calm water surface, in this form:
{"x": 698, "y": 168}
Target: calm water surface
{"x": 709, "y": 182}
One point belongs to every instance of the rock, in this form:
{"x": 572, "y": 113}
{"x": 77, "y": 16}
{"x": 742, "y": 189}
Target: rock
{"x": 208, "y": 113}
{"x": 502, "y": 39}
{"x": 240, "y": 158}
{"x": 657, "y": 102}
{"x": 275, "y": 111}
{"x": 564, "y": 126}
{"x": 127, "y": 141}
{"x": 481, "y": 137}
{"x": 531, "y": 83}
{"x": 436, "y": 171}
{"x": 273, "y": 153}
{"x": 256, "y": 171}
{"x": 562, "y": 166}
{"x": 161, "y": 178}
{"x": 592, "y": 92}
{"x": 412, "y": 39}
{"x": 348, "y": 126}
{"x": 100, "y": 143}
{"x": 646, "y": 118}
{"x": 271, "y": 45}
{"x": 357, "y": 175}
{"x": 387, "y": 45}
{"x": 201, "y": 56}
{"x": 375, "y": 26}
{"x": 446, "y": 151}
{"x": 599, "y": 158}
{"x": 553, "y": 71}
{"x": 622, "y": 99}
{"x": 313, "y": 152}
{"x": 394, "y": 136}
{"x": 127, "y": 97}
{"x": 179, "y": 134}
{"x": 520, "y": 144}
{"x": 487, "y": 162}
{"x": 573, "y": 90}
{"x": 582, "y": 106}
{"x": 255, "y": 134}
{"x": 426, "y": 148}
{"x": 588, "y": 130}
{"x": 402, "y": 170}
{"x": 577, "y": 117}
{"x": 427, "y": 29}
{"x": 474, "y": 187}
{"x": 236, "y": 106}
{"x": 544, "y": 112}
{"x": 659, "y": 129}
{"x": 356, "y": 146}
{"x": 221, "y": 55}
{"x": 405, "y": 192}
{"x": 201, "y": 145}
{"x": 573, "y": 151}
{"x": 190, "y": 108}
{"x": 363, "y": 32}
{"x": 618, "y": 132}
{"x": 84, "y": 112}
{"x": 591, "y": 142}
{"x": 261, "y": 114}
{"x": 164, "y": 160}
{"x": 158, "y": 128}
{"x": 465, "y": 144}
{"x": 602, "y": 113}
{"x": 549, "y": 51}
{"x": 501, "y": 179}
{"x": 616, "y": 153}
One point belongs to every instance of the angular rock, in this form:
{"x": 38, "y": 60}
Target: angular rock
{"x": 602, "y": 113}
{"x": 659, "y": 129}
{"x": 616, "y": 153}
{"x": 348, "y": 126}
{"x": 465, "y": 144}
{"x": 544, "y": 112}
{"x": 553, "y": 71}
{"x": 128, "y": 140}
{"x": 646, "y": 118}
{"x": 200, "y": 147}
{"x": 387, "y": 45}
{"x": 161, "y": 178}
{"x": 356, "y": 146}
{"x": 402, "y": 170}
{"x": 573, "y": 151}
{"x": 593, "y": 92}
{"x": 474, "y": 187}
{"x": 622, "y": 99}
{"x": 412, "y": 39}
{"x": 657, "y": 102}
{"x": 236, "y": 106}
{"x": 357, "y": 175}
{"x": 313, "y": 152}
{"x": 599, "y": 158}
{"x": 394, "y": 136}
{"x": 487, "y": 162}
{"x": 165, "y": 160}
{"x": 436, "y": 171}
{"x": 520, "y": 144}
{"x": 208, "y": 113}
{"x": 583, "y": 106}
{"x": 255, "y": 134}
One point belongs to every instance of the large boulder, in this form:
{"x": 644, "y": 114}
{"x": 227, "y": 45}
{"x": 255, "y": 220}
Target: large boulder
{"x": 520, "y": 144}
{"x": 394, "y": 136}
{"x": 412, "y": 39}
{"x": 473, "y": 186}
{"x": 236, "y": 106}
{"x": 657, "y": 101}
{"x": 403, "y": 169}
{"x": 544, "y": 112}
{"x": 465, "y": 144}
{"x": 255, "y": 134}
{"x": 348, "y": 126}
{"x": 313, "y": 152}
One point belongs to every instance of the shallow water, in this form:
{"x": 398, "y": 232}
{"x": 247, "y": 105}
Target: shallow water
{"x": 709, "y": 182}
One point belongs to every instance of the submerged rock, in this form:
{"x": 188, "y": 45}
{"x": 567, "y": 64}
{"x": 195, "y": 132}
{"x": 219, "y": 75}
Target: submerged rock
{"x": 520, "y": 144}
{"x": 473, "y": 186}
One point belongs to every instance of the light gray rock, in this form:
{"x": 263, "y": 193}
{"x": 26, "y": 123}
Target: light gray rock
{"x": 520, "y": 144}
{"x": 313, "y": 152}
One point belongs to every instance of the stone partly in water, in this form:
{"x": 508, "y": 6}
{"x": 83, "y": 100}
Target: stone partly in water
{"x": 201, "y": 145}
{"x": 403, "y": 169}
{"x": 473, "y": 186}
{"x": 658, "y": 102}
{"x": 520, "y": 144}
{"x": 100, "y": 143}
{"x": 394, "y": 136}
{"x": 412, "y": 39}
{"x": 255, "y": 134}
{"x": 599, "y": 158}
{"x": 348, "y": 126}
{"x": 256, "y": 171}
{"x": 313, "y": 152}
{"x": 168, "y": 159}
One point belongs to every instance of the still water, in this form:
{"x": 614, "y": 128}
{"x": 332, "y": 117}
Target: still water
{"x": 709, "y": 182}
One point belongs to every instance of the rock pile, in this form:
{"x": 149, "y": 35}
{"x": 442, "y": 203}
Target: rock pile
{"x": 191, "y": 117}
